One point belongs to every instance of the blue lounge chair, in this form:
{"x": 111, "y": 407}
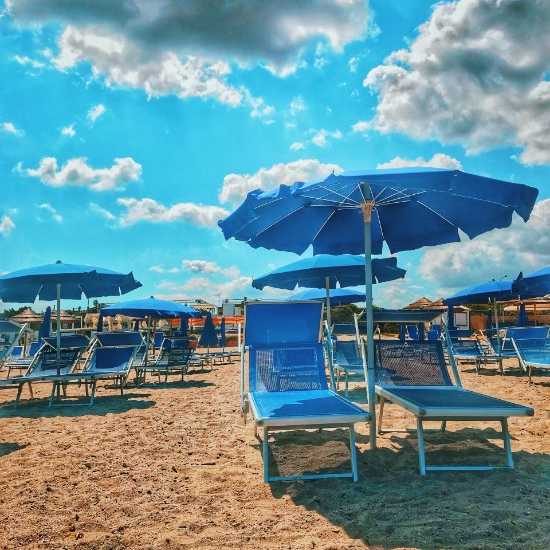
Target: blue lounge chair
{"x": 173, "y": 358}
{"x": 287, "y": 384}
{"x": 20, "y": 360}
{"x": 110, "y": 358}
{"x": 507, "y": 348}
{"x": 532, "y": 353}
{"x": 347, "y": 362}
{"x": 415, "y": 377}
{"x": 45, "y": 366}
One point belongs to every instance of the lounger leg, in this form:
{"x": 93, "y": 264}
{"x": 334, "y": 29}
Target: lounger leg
{"x": 443, "y": 425}
{"x": 265, "y": 449}
{"x": 30, "y": 391}
{"x": 92, "y": 397}
{"x": 501, "y": 366}
{"x": 86, "y": 388}
{"x": 52, "y": 394}
{"x": 121, "y": 381}
{"x": 353, "y": 450}
{"x": 507, "y": 443}
{"x": 346, "y": 387}
{"x": 421, "y": 448}
{"x": 381, "y": 414}
{"x": 19, "y": 390}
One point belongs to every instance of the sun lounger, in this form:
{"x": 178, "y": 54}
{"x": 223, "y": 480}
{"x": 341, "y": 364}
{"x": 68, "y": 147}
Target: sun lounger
{"x": 45, "y": 365}
{"x": 110, "y": 358}
{"x": 347, "y": 362}
{"x": 533, "y": 353}
{"x": 287, "y": 385}
{"x": 21, "y": 361}
{"x": 415, "y": 377}
{"x": 173, "y": 358}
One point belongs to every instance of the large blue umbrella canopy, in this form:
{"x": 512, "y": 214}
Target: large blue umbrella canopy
{"x": 344, "y": 270}
{"x": 44, "y": 330}
{"x": 482, "y": 294}
{"x": 149, "y": 307}
{"x": 522, "y": 316}
{"x": 355, "y": 213}
{"x": 533, "y": 285}
{"x": 60, "y": 281}
{"x": 208, "y": 338}
{"x": 338, "y": 296}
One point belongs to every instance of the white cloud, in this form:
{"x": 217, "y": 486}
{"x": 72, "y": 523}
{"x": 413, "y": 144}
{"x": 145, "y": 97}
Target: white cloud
{"x": 77, "y": 172}
{"x": 361, "y": 126}
{"x": 47, "y": 207}
{"x": 68, "y": 131}
{"x": 439, "y": 160}
{"x": 7, "y": 225}
{"x": 397, "y": 294}
{"x": 10, "y": 128}
{"x": 297, "y": 146}
{"x": 207, "y": 288}
{"x": 101, "y": 212}
{"x": 475, "y": 75}
{"x": 236, "y": 186}
{"x": 201, "y": 266}
{"x": 353, "y": 64}
{"x": 321, "y": 137}
{"x": 297, "y": 105}
{"x": 95, "y": 112}
{"x": 149, "y": 210}
{"x": 501, "y": 252}
{"x": 28, "y": 61}
{"x": 235, "y": 31}
{"x": 161, "y": 269}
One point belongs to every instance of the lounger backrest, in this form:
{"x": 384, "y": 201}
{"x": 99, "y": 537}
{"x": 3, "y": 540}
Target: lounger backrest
{"x": 410, "y": 364}
{"x": 412, "y": 332}
{"x": 532, "y": 344}
{"x": 113, "y": 359}
{"x": 33, "y": 348}
{"x": 522, "y": 333}
{"x": 71, "y": 347}
{"x": 16, "y": 352}
{"x": 347, "y": 353}
{"x": 283, "y": 341}
{"x": 119, "y": 339}
{"x": 175, "y": 351}
{"x": 461, "y": 346}
{"x": 159, "y": 337}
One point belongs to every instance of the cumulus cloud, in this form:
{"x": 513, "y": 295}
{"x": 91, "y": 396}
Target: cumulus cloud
{"x": 439, "y": 160}
{"x": 297, "y": 146}
{"x": 397, "y": 294}
{"x": 163, "y": 270}
{"x": 77, "y": 172}
{"x": 29, "y": 62}
{"x": 233, "y": 30}
{"x": 475, "y": 75}
{"x": 360, "y": 126}
{"x": 95, "y": 112}
{"x": 499, "y": 253}
{"x": 55, "y": 215}
{"x": 7, "y": 225}
{"x": 68, "y": 131}
{"x": 204, "y": 287}
{"x": 101, "y": 212}
{"x": 209, "y": 267}
{"x": 236, "y": 186}
{"x": 297, "y": 105}
{"x": 321, "y": 137}
{"x": 10, "y": 128}
{"x": 149, "y": 210}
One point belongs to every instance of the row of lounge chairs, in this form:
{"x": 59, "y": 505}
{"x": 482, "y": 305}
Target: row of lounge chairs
{"x": 108, "y": 357}
{"x": 287, "y": 389}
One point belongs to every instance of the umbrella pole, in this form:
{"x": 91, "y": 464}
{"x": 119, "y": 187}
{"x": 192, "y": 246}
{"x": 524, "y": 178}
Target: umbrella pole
{"x": 327, "y": 287}
{"x": 58, "y": 335}
{"x": 369, "y": 373}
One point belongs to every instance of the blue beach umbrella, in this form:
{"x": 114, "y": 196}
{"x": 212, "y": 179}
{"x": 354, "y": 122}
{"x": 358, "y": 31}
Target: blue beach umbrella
{"x": 328, "y": 271}
{"x": 482, "y": 293}
{"x": 522, "y": 316}
{"x": 99, "y": 327}
{"x": 355, "y": 213}
{"x": 338, "y": 296}
{"x": 533, "y": 285}
{"x": 208, "y": 338}
{"x": 149, "y": 308}
{"x": 184, "y": 324}
{"x": 44, "y": 330}
{"x": 63, "y": 281}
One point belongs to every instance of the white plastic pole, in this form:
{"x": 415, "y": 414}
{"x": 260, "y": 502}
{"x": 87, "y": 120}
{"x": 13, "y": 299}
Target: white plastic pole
{"x": 367, "y": 217}
{"x": 58, "y": 336}
{"x": 327, "y": 288}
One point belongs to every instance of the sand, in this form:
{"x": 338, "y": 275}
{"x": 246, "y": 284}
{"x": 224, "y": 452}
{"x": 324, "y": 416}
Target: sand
{"x": 175, "y": 467}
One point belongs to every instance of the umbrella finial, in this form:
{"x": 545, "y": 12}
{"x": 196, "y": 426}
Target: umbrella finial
{"x": 58, "y": 262}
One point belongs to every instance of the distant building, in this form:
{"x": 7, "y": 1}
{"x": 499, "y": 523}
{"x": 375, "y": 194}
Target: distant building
{"x": 232, "y": 307}
{"x": 198, "y": 303}
{"x": 461, "y": 313}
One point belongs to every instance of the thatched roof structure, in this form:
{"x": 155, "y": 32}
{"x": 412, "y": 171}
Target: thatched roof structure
{"x": 421, "y": 303}
{"x": 27, "y": 316}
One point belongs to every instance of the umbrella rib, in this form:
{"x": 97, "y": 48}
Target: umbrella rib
{"x": 342, "y": 195}
{"x": 437, "y": 213}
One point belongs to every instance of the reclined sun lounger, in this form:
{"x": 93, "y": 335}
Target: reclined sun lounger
{"x": 110, "y": 357}
{"x": 415, "y": 377}
{"x": 533, "y": 353}
{"x": 347, "y": 362}
{"x": 287, "y": 385}
{"x": 173, "y": 358}
{"x": 21, "y": 361}
{"x": 45, "y": 366}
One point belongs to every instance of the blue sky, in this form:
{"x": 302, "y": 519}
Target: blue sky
{"x": 125, "y": 136}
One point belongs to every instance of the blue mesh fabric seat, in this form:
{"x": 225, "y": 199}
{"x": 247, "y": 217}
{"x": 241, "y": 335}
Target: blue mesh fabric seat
{"x": 287, "y": 384}
{"x": 173, "y": 358}
{"x": 347, "y": 362}
{"x": 533, "y": 353}
{"x": 414, "y": 375}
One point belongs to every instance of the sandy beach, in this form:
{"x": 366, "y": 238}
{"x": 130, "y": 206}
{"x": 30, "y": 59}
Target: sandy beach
{"x": 175, "y": 467}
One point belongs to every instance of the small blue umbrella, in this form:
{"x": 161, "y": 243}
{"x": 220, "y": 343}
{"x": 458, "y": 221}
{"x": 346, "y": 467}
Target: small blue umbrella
{"x": 150, "y": 308}
{"x": 450, "y": 318}
{"x": 482, "y": 293}
{"x": 533, "y": 285}
{"x": 63, "y": 281}
{"x": 356, "y": 213}
{"x": 44, "y": 330}
{"x": 338, "y": 296}
{"x": 522, "y": 316}
{"x": 136, "y": 325}
{"x": 222, "y": 333}
{"x": 184, "y": 324}
{"x": 328, "y": 271}
{"x": 208, "y": 338}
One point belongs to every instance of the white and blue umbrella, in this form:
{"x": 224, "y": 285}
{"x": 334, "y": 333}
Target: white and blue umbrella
{"x": 356, "y": 213}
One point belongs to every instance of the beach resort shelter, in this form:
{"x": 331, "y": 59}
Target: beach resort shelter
{"x": 461, "y": 314}
{"x": 28, "y": 317}
{"x": 361, "y": 212}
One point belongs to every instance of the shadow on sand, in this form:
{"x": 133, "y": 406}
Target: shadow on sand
{"x": 175, "y": 384}
{"x": 392, "y": 506}
{"x": 109, "y": 404}
{"x": 7, "y": 448}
